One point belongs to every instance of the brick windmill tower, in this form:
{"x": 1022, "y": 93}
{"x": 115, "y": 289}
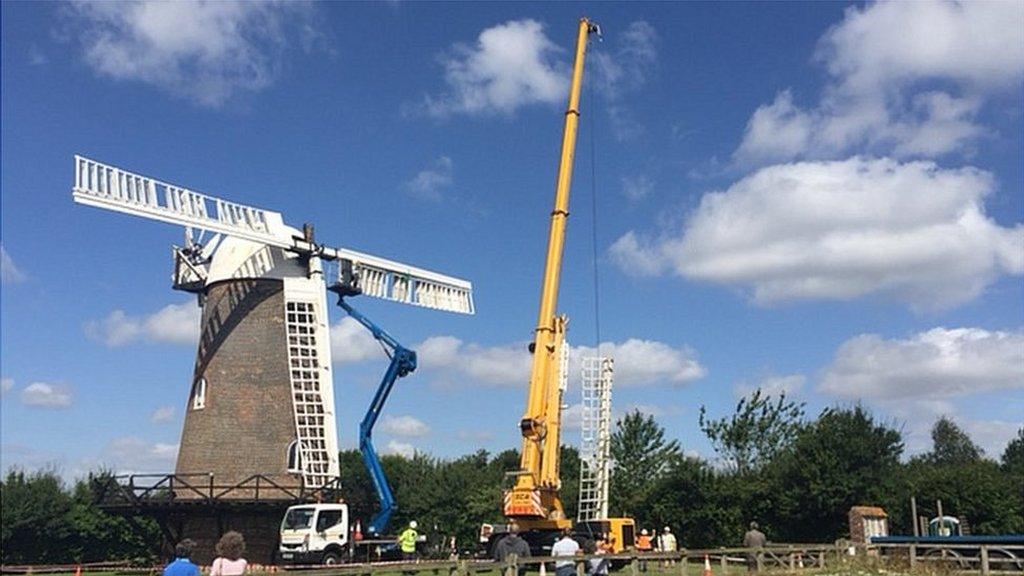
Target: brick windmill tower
{"x": 262, "y": 396}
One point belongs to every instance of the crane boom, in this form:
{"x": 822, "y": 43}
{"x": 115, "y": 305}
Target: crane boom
{"x": 533, "y": 501}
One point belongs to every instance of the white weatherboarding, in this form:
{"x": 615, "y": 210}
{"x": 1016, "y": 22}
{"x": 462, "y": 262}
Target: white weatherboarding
{"x": 229, "y": 241}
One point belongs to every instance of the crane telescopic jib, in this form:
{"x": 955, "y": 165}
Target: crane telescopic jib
{"x": 533, "y": 501}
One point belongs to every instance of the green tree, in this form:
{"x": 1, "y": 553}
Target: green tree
{"x": 1013, "y": 457}
{"x": 640, "y": 456}
{"x": 758, "y": 429}
{"x": 951, "y": 446}
{"x": 34, "y": 518}
{"x": 842, "y": 459}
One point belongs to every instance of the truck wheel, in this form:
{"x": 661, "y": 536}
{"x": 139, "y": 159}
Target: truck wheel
{"x": 332, "y": 559}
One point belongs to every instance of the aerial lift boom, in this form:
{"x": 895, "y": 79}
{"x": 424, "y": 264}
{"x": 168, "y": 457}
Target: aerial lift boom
{"x": 403, "y": 362}
{"x": 533, "y": 501}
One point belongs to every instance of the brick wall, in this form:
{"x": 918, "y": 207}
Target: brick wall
{"x": 247, "y": 422}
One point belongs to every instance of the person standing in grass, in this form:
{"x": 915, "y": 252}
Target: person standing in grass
{"x": 407, "y": 542}
{"x": 565, "y": 546}
{"x": 511, "y": 546}
{"x": 182, "y": 564}
{"x": 229, "y": 561}
{"x": 643, "y": 545}
{"x": 754, "y": 539}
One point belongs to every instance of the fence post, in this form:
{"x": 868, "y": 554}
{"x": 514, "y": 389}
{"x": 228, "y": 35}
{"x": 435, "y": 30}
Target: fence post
{"x": 984, "y": 560}
{"x": 821, "y": 559}
{"x": 759, "y": 560}
{"x": 633, "y": 569}
{"x": 913, "y": 556}
{"x": 683, "y": 557}
{"x": 792, "y": 561}
{"x": 724, "y": 560}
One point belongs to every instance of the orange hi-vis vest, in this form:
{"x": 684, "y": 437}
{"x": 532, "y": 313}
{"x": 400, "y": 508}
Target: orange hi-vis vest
{"x": 643, "y": 543}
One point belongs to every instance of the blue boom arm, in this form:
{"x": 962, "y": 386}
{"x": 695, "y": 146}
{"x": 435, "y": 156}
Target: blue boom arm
{"x": 403, "y": 362}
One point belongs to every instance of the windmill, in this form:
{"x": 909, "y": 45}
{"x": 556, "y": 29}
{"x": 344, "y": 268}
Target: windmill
{"x": 264, "y": 338}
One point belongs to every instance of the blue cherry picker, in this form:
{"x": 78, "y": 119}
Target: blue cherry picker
{"x": 403, "y": 363}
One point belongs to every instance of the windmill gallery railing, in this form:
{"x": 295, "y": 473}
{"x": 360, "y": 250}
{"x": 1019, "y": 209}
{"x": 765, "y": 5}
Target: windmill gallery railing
{"x": 199, "y": 489}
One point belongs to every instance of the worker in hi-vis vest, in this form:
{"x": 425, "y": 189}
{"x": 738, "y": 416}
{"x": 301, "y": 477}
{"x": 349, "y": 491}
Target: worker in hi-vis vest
{"x": 407, "y": 541}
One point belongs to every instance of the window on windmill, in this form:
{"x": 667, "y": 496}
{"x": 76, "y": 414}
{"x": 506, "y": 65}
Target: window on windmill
{"x": 294, "y": 465}
{"x": 199, "y": 394}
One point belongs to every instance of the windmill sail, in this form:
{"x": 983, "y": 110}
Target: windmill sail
{"x": 390, "y": 280}
{"x": 104, "y": 186}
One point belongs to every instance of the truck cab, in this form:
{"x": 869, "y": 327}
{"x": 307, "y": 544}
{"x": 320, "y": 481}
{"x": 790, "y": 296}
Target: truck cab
{"x": 314, "y": 534}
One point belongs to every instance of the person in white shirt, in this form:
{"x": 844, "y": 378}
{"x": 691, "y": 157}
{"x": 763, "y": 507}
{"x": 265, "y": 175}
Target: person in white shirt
{"x": 229, "y": 561}
{"x": 565, "y": 546}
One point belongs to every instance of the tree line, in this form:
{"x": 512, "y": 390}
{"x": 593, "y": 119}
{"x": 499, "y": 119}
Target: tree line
{"x": 796, "y": 476}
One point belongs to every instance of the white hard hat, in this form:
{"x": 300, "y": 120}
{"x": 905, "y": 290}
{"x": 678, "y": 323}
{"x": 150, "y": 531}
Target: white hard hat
{"x": 643, "y": 532}
{"x": 412, "y": 524}
{"x": 667, "y": 529}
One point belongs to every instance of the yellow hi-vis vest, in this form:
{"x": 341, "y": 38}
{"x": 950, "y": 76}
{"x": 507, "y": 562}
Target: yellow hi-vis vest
{"x": 407, "y": 540}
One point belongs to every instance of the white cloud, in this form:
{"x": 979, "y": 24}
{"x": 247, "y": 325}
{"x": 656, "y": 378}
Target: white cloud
{"x": 428, "y": 183}
{"x": 789, "y": 385}
{"x": 162, "y": 414}
{"x": 636, "y": 188}
{"x": 6, "y": 385}
{"x": 9, "y": 272}
{"x": 204, "y": 51}
{"x": 133, "y": 455}
{"x": 511, "y": 65}
{"x": 936, "y": 365}
{"x": 404, "y": 426}
{"x": 992, "y": 435}
{"x": 639, "y": 362}
{"x": 351, "y": 342}
{"x": 622, "y": 69}
{"x": 454, "y": 361}
{"x": 44, "y": 395}
{"x": 879, "y": 59}
{"x": 400, "y": 449}
{"x": 173, "y": 324}
{"x": 842, "y": 230}
{"x": 572, "y": 417}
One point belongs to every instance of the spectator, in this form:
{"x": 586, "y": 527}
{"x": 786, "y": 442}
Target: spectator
{"x": 229, "y": 561}
{"x": 754, "y": 539}
{"x": 565, "y": 546}
{"x": 182, "y": 564}
{"x": 599, "y": 566}
{"x": 510, "y": 546}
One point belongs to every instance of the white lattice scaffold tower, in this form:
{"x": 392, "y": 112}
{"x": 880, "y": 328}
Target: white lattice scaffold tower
{"x": 595, "y": 441}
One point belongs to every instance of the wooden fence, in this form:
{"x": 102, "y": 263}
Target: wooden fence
{"x": 985, "y": 559}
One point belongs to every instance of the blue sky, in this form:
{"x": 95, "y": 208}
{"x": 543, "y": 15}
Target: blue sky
{"x": 817, "y": 198}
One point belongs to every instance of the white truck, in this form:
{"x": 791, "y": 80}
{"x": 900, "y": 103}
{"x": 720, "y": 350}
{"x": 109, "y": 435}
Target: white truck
{"x": 321, "y": 534}
{"x": 315, "y": 534}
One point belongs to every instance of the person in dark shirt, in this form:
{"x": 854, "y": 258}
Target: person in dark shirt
{"x": 754, "y": 538}
{"x": 512, "y": 544}
{"x": 182, "y": 564}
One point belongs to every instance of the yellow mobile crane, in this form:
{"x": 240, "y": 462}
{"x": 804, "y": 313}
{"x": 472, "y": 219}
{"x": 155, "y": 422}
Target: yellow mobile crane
{"x": 533, "y": 502}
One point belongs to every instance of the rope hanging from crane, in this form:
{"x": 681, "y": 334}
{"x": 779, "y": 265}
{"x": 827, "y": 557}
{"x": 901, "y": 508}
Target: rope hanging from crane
{"x": 593, "y": 214}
